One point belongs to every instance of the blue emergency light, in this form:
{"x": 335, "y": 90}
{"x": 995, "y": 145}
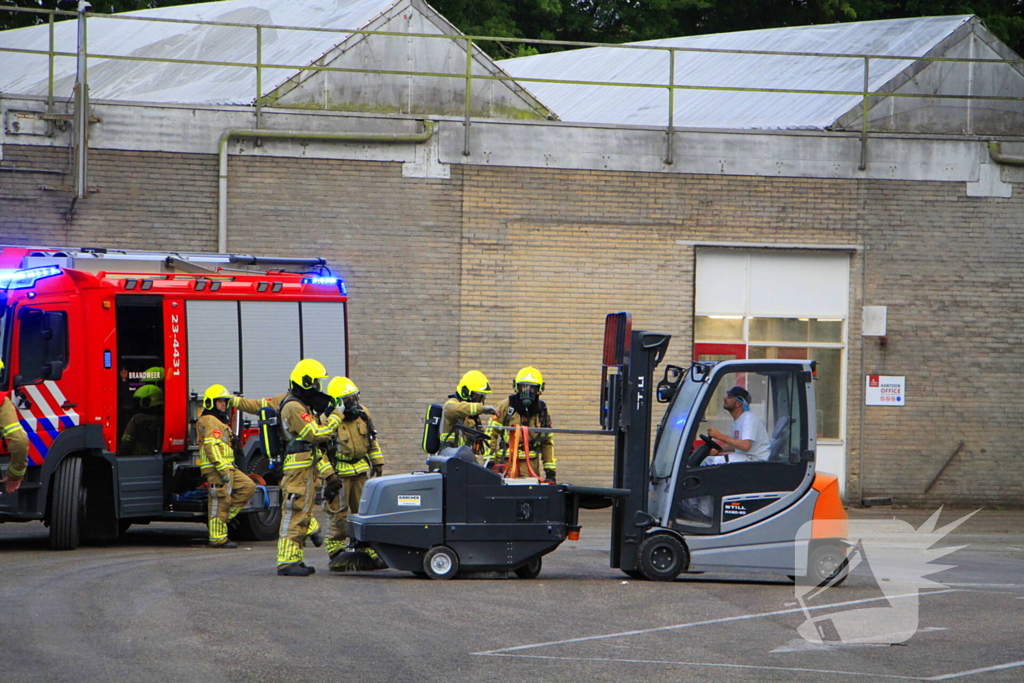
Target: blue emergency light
{"x": 22, "y": 279}
{"x": 326, "y": 280}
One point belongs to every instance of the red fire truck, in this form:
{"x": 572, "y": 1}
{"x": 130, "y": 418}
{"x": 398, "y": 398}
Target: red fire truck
{"x": 93, "y": 339}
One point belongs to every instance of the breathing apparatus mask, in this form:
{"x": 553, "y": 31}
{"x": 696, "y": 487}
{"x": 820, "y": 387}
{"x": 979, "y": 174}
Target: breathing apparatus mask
{"x": 528, "y": 394}
{"x": 350, "y": 407}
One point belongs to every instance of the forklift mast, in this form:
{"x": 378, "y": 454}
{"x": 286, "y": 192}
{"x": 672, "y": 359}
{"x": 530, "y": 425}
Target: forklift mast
{"x": 630, "y": 358}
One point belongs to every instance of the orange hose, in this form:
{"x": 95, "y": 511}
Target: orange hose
{"x": 520, "y": 435}
{"x": 512, "y": 467}
{"x": 526, "y": 451}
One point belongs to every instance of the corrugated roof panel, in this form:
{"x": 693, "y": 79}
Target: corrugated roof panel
{"x": 155, "y": 82}
{"x": 732, "y": 109}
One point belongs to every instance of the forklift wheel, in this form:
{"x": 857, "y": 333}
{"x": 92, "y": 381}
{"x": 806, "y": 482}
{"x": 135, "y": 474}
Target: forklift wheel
{"x": 662, "y": 557}
{"x": 441, "y": 563}
{"x": 825, "y": 563}
{"x": 530, "y": 570}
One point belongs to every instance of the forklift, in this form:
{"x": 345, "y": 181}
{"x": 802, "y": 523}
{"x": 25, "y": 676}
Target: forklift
{"x": 686, "y": 509}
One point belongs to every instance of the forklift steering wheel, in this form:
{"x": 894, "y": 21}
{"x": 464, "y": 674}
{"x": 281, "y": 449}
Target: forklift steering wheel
{"x": 704, "y": 451}
{"x": 711, "y": 443}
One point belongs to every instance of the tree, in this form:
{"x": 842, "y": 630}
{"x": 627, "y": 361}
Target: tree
{"x": 619, "y": 21}
{"x": 18, "y": 19}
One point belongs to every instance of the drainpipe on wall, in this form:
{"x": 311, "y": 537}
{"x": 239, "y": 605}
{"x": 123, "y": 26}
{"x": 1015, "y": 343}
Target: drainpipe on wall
{"x": 263, "y": 133}
{"x": 995, "y": 151}
{"x": 81, "y": 121}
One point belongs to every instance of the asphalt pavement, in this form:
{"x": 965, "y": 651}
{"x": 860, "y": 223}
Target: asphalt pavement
{"x": 160, "y": 606}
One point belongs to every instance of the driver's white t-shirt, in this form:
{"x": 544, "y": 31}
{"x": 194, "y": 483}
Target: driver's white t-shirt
{"x": 747, "y": 426}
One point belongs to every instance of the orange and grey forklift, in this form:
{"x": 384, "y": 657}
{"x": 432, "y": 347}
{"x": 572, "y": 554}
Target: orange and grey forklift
{"x": 690, "y": 508}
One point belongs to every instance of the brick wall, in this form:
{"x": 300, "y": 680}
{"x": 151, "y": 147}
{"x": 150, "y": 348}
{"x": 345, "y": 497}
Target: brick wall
{"x": 948, "y": 266}
{"x": 496, "y": 268}
{"x": 142, "y": 200}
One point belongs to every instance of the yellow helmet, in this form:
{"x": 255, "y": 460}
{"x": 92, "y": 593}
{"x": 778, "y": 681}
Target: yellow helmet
{"x": 150, "y": 396}
{"x": 340, "y": 387}
{"x": 154, "y": 375}
{"x": 213, "y": 393}
{"x": 473, "y": 382}
{"x": 529, "y": 375}
{"x": 308, "y": 373}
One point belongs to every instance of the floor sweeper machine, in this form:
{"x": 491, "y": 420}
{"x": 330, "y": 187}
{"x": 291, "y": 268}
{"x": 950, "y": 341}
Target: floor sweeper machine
{"x": 691, "y": 507}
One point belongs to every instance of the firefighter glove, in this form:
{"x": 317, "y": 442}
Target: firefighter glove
{"x": 378, "y": 470}
{"x": 549, "y": 476}
{"x": 489, "y": 410}
{"x": 332, "y": 486}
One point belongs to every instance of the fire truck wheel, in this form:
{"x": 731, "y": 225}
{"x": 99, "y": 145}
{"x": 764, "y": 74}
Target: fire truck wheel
{"x": 68, "y": 505}
{"x": 825, "y": 563}
{"x": 662, "y": 557}
{"x": 530, "y": 570}
{"x": 257, "y": 526}
{"x": 441, "y": 563}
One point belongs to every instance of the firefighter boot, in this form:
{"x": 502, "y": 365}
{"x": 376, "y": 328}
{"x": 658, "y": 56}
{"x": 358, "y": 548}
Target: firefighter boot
{"x": 225, "y": 544}
{"x": 378, "y": 561}
{"x": 315, "y": 535}
{"x": 297, "y": 569}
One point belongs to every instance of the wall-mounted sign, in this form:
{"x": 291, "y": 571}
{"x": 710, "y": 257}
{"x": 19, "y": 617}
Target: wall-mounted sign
{"x": 885, "y": 390}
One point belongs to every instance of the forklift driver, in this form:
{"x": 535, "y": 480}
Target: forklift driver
{"x": 749, "y": 441}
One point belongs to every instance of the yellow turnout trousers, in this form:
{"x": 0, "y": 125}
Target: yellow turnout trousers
{"x": 225, "y": 501}
{"x": 298, "y": 489}
{"x": 337, "y": 511}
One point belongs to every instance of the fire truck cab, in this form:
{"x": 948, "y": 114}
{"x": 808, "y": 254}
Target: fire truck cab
{"x": 107, "y": 354}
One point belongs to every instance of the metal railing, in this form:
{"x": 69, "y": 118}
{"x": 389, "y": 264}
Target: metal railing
{"x": 259, "y": 65}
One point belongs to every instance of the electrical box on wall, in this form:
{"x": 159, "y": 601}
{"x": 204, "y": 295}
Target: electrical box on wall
{"x": 25, "y": 123}
{"x": 873, "y": 321}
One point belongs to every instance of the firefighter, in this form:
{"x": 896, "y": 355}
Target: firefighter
{"x": 230, "y": 489}
{"x": 16, "y": 440}
{"x": 524, "y": 407}
{"x": 465, "y": 407}
{"x": 357, "y": 452}
{"x": 144, "y": 429}
{"x": 251, "y": 406}
{"x": 305, "y": 459}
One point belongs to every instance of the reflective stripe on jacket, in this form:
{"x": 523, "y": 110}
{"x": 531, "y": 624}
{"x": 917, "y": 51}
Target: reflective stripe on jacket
{"x": 17, "y": 440}
{"x": 544, "y": 444}
{"x": 301, "y": 425}
{"x": 458, "y": 412}
{"x": 215, "y": 450}
{"x": 355, "y": 446}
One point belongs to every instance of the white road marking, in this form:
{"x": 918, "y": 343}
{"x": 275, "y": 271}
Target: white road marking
{"x": 801, "y": 645}
{"x": 997, "y": 667}
{"x": 710, "y": 621}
